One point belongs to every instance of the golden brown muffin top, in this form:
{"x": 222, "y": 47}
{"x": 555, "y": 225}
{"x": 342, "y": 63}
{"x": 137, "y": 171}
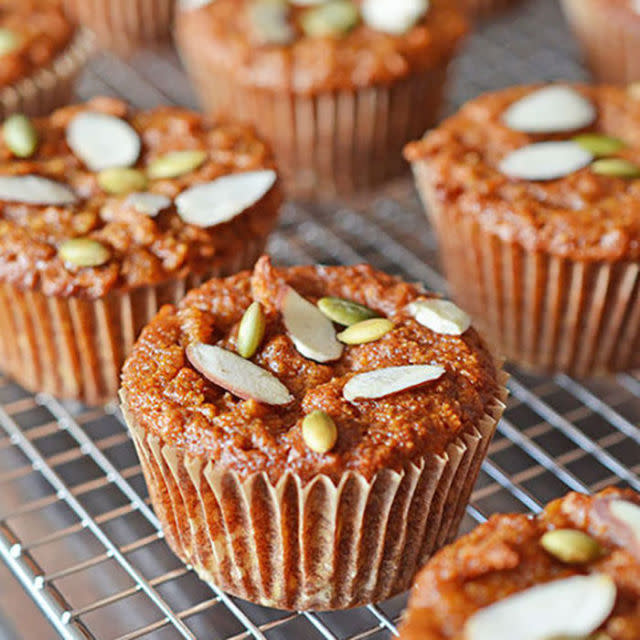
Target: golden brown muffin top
{"x": 167, "y": 396}
{"x": 584, "y": 214}
{"x": 505, "y": 555}
{"x": 32, "y": 34}
{"x": 228, "y": 36}
{"x": 142, "y": 247}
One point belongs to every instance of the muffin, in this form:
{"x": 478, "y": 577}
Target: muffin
{"x": 41, "y": 54}
{"x": 107, "y": 214}
{"x": 124, "y": 25}
{"x": 337, "y": 88}
{"x": 573, "y": 571}
{"x": 317, "y": 471}
{"x": 609, "y": 34}
{"x": 483, "y": 8}
{"x": 535, "y": 199}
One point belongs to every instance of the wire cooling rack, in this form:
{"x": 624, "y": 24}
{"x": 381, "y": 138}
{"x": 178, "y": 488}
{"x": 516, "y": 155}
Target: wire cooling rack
{"x": 75, "y": 523}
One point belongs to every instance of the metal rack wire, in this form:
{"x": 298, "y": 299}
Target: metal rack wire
{"x": 75, "y": 524}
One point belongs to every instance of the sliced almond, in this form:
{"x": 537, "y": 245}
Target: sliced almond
{"x": 240, "y": 377}
{"x": 550, "y": 110}
{"x": 103, "y": 141}
{"x": 310, "y": 330}
{"x": 441, "y": 316}
{"x": 222, "y": 199}
{"x": 393, "y": 16}
{"x": 545, "y": 161}
{"x": 150, "y": 204}
{"x": 384, "y": 382}
{"x": 572, "y": 607}
{"x": 35, "y": 190}
{"x": 628, "y": 513}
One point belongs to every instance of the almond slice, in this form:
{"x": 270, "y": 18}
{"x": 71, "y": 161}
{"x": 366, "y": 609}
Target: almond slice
{"x": 150, "y": 204}
{"x": 441, "y": 316}
{"x": 241, "y": 377}
{"x": 222, "y": 199}
{"x": 103, "y": 141}
{"x": 572, "y": 608}
{"x": 393, "y": 16}
{"x": 629, "y": 514}
{"x": 545, "y": 161}
{"x": 550, "y": 110}
{"x": 384, "y": 382}
{"x": 310, "y": 330}
{"x": 35, "y": 190}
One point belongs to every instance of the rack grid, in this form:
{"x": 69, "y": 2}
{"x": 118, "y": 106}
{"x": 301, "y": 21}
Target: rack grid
{"x": 76, "y": 528}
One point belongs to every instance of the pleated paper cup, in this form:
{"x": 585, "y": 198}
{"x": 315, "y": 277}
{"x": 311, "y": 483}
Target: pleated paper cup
{"x": 334, "y": 142}
{"x": 51, "y": 86}
{"x": 320, "y": 545}
{"x": 124, "y": 25}
{"x": 73, "y": 347}
{"x": 609, "y": 34}
{"x": 544, "y": 312}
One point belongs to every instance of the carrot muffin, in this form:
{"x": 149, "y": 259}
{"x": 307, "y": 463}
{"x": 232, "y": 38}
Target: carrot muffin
{"x": 106, "y": 214}
{"x": 301, "y": 467}
{"x": 124, "y": 25}
{"x": 337, "y": 87}
{"x": 41, "y": 53}
{"x": 609, "y": 34}
{"x": 534, "y": 193}
{"x": 573, "y": 571}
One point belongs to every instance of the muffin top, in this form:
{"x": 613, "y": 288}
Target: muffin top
{"x": 32, "y": 34}
{"x": 97, "y": 197}
{"x": 554, "y": 168}
{"x": 176, "y": 387}
{"x": 584, "y": 550}
{"x": 311, "y": 47}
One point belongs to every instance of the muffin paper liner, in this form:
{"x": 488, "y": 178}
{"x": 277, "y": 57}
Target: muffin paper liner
{"x": 544, "y": 312}
{"x": 332, "y": 142}
{"x": 74, "y": 347}
{"x": 123, "y": 25}
{"x": 609, "y": 36}
{"x": 318, "y": 545}
{"x": 51, "y": 86}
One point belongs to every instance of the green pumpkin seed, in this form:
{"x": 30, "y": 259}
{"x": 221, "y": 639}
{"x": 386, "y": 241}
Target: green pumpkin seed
{"x": 84, "y": 252}
{"x": 345, "y": 312}
{"x": 333, "y": 18}
{"x": 176, "y": 164}
{"x": 319, "y": 432}
{"x": 599, "y": 145}
{"x": 270, "y": 20}
{"x": 9, "y": 41}
{"x": 120, "y": 180}
{"x": 571, "y": 546}
{"x": 366, "y": 331}
{"x": 20, "y": 135}
{"x": 616, "y": 167}
{"x": 251, "y": 330}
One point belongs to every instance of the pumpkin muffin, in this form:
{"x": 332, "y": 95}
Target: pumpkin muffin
{"x": 298, "y": 467}
{"x": 609, "y": 34}
{"x": 337, "y": 87}
{"x": 41, "y": 54}
{"x": 105, "y": 215}
{"x": 534, "y": 193}
{"x": 573, "y": 571}
{"x": 483, "y": 8}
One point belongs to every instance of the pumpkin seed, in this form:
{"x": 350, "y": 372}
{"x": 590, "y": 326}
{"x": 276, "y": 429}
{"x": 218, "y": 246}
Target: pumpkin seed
{"x": 84, "y": 252}
{"x": 319, "y": 432}
{"x": 599, "y": 145}
{"x": 366, "y": 331}
{"x": 251, "y": 330}
{"x": 20, "y": 135}
{"x": 634, "y": 90}
{"x": 176, "y": 164}
{"x": 571, "y": 546}
{"x": 9, "y": 41}
{"x": 120, "y": 180}
{"x": 333, "y": 18}
{"x": 345, "y": 312}
{"x": 270, "y": 19}
{"x": 616, "y": 167}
